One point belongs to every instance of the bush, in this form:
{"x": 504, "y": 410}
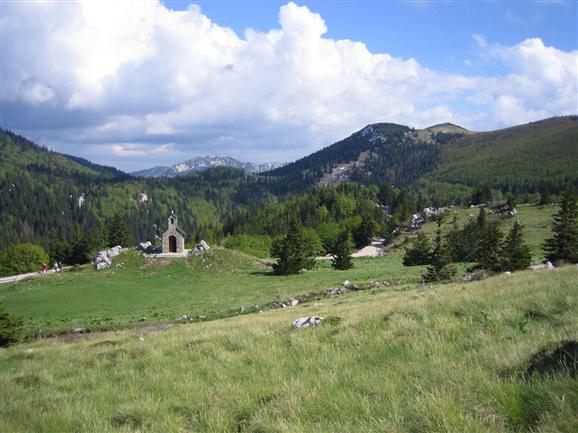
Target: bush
{"x": 23, "y": 258}
{"x": 255, "y": 245}
{"x": 10, "y": 327}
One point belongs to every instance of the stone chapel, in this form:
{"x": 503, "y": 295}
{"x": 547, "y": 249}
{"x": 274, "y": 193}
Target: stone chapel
{"x": 173, "y": 237}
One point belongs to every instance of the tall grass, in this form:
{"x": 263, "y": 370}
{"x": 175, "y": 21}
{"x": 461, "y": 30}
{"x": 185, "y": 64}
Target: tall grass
{"x": 447, "y": 358}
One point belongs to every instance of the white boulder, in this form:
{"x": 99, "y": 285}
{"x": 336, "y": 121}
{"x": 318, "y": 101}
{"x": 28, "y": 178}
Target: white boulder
{"x": 306, "y": 322}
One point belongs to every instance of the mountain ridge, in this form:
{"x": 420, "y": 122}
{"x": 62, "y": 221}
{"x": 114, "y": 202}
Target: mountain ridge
{"x": 202, "y": 163}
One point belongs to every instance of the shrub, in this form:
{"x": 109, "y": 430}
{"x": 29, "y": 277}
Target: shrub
{"x": 25, "y": 258}
{"x": 10, "y": 327}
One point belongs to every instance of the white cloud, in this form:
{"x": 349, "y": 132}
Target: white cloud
{"x": 139, "y": 74}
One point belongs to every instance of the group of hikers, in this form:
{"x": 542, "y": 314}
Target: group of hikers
{"x": 56, "y": 266}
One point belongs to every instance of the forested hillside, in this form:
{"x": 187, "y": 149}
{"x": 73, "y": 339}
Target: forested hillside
{"x": 43, "y": 192}
{"x": 517, "y": 159}
{"x": 450, "y": 158}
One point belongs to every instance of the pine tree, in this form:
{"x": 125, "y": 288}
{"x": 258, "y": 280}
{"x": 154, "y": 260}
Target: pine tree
{"x": 342, "y": 251}
{"x": 79, "y": 251}
{"x": 440, "y": 268}
{"x": 364, "y": 233}
{"x": 295, "y": 251}
{"x": 420, "y": 253}
{"x": 515, "y": 253}
{"x": 118, "y": 233}
{"x": 489, "y": 255}
{"x": 57, "y": 248}
{"x": 563, "y": 245}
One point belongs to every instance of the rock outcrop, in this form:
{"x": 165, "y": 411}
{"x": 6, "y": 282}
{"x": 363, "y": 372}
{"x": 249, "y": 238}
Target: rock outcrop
{"x": 201, "y": 247}
{"x": 103, "y": 258}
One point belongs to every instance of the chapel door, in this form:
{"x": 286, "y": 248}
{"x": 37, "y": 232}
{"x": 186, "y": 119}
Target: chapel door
{"x": 172, "y": 244}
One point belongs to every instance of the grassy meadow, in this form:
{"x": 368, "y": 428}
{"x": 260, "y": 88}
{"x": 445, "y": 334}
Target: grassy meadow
{"x": 207, "y": 287}
{"x": 406, "y": 358}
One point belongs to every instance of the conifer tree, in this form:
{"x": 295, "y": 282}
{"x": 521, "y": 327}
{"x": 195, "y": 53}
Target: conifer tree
{"x": 342, "y": 251}
{"x": 79, "y": 251}
{"x": 118, "y": 233}
{"x": 515, "y": 253}
{"x": 419, "y": 253}
{"x": 295, "y": 251}
{"x": 563, "y": 245}
{"x": 440, "y": 268}
{"x": 364, "y": 233}
{"x": 489, "y": 255}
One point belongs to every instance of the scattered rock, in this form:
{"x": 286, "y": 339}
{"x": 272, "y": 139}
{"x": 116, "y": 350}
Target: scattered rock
{"x": 200, "y": 248}
{"x": 306, "y": 322}
{"x": 143, "y": 319}
{"x": 292, "y": 302}
{"x": 547, "y": 265}
{"x": 146, "y": 247}
{"x": 79, "y": 330}
{"x": 184, "y": 317}
{"x": 350, "y": 286}
{"x": 103, "y": 258}
{"x": 336, "y": 291}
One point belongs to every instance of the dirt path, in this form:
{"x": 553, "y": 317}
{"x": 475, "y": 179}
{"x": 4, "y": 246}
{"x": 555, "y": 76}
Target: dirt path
{"x": 21, "y": 277}
{"x": 375, "y": 249}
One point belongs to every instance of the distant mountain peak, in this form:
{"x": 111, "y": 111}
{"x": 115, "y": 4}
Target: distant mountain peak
{"x": 202, "y": 163}
{"x": 447, "y": 128}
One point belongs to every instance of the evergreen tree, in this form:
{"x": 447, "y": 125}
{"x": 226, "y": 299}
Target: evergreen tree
{"x": 363, "y": 235}
{"x": 57, "y": 248}
{"x": 440, "y": 268}
{"x": 420, "y": 253}
{"x": 342, "y": 251}
{"x": 118, "y": 233}
{"x": 544, "y": 194}
{"x": 515, "y": 253}
{"x": 482, "y": 219}
{"x": 489, "y": 255}
{"x": 79, "y": 251}
{"x": 295, "y": 251}
{"x": 563, "y": 245}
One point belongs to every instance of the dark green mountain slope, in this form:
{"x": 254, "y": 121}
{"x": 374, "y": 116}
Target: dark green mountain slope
{"x": 517, "y": 158}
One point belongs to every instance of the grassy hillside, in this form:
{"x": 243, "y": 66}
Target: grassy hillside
{"x": 536, "y": 222}
{"x": 215, "y": 285}
{"x": 517, "y": 158}
{"x": 449, "y": 358}
{"x": 211, "y": 286}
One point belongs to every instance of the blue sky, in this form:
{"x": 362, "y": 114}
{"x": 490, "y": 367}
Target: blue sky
{"x": 139, "y": 83}
{"x": 438, "y": 34}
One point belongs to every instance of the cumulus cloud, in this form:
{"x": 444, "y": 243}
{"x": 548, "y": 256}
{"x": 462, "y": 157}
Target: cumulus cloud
{"x": 126, "y": 78}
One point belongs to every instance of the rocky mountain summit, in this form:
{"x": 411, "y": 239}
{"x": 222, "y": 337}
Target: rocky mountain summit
{"x": 203, "y": 163}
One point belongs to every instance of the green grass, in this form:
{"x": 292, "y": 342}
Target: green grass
{"x": 206, "y": 287}
{"x": 536, "y": 221}
{"x": 446, "y": 358}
